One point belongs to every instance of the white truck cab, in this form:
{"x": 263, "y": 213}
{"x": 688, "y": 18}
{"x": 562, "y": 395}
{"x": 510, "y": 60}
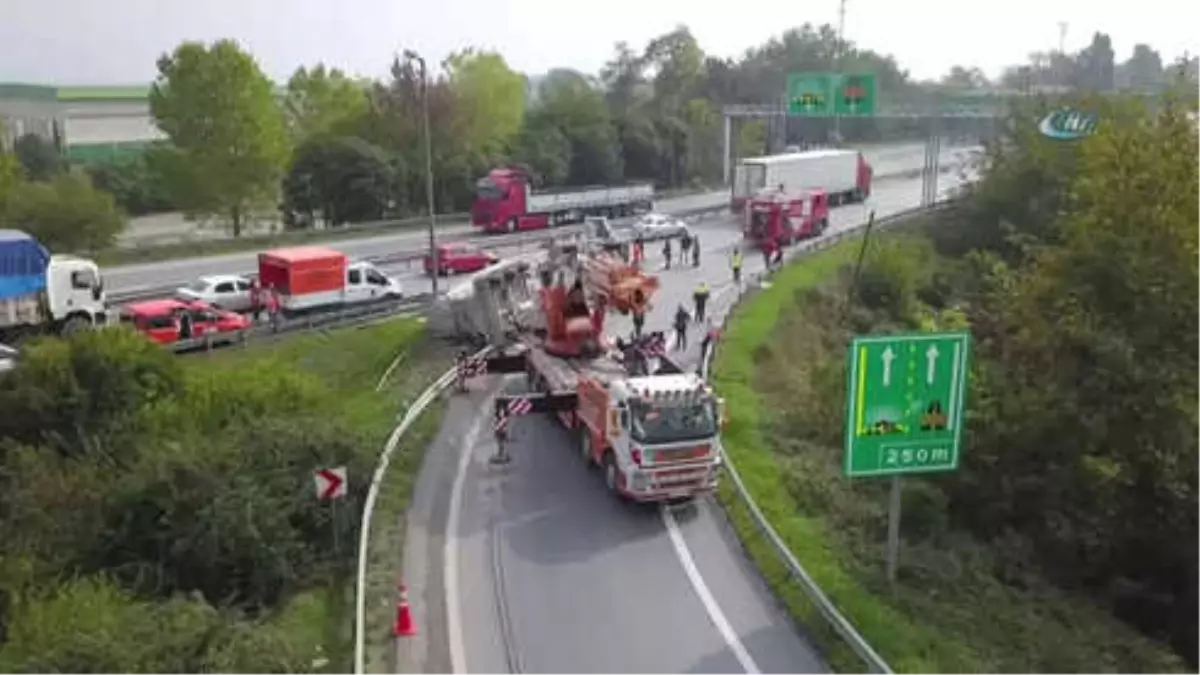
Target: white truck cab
{"x": 664, "y": 432}
{"x": 364, "y": 282}
{"x": 75, "y": 296}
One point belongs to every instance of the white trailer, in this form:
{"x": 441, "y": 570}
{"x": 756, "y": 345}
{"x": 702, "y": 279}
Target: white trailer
{"x": 843, "y": 174}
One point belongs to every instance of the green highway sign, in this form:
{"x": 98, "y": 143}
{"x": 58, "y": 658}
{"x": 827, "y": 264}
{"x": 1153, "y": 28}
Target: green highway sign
{"x": 904, "y": 403}
{"x": 854, "y": 96}
{"x": 828, "y": 94}
{"x": 810, "y": 94}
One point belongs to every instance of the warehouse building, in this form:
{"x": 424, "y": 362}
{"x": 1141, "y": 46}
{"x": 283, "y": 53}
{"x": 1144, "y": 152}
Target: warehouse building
{"x": 88, "y": 124}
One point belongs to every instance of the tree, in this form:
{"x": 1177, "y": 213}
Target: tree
{"x": 219, "y": 111}
{"x": 965, "y": 78}
{"x": 570, "y": 103}
{"x": 345, "y": 179}
{"x": 320, "y": 99}
{"x": 1144, "y": 69}
{"x": 135, "y": 184}
{"x": 11, "y": 175}
{"x": 1096, "y": 69}
{"x": 38, "y": 156}
{"x": 66, "y": 214}
{"x": 490, "y": 101}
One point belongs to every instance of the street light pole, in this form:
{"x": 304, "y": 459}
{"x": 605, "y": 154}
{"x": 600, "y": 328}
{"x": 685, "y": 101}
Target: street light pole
{"x": 837, "y": 55}
{"x": 433, "y": 256}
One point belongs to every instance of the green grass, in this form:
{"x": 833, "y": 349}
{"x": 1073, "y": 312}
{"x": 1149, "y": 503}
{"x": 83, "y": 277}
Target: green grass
{"x": 212, "y": 247}
{"x": 350, "y": 361}
{"x": 949, "y": 612}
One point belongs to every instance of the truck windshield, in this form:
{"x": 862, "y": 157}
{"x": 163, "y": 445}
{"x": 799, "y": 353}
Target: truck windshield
{"x": 485, "y": 188}
{"x": 672, "y": 423}
{"x": 759, "y": 221}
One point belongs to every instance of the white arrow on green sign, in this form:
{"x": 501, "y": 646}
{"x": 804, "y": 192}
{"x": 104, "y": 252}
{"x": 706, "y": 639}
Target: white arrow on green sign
{"x": 904, "y": 406}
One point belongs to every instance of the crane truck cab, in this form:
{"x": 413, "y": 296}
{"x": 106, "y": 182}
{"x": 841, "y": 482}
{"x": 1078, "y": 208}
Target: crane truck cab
{"x": 655, "y": 436}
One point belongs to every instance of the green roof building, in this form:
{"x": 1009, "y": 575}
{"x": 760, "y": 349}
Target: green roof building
{"x": 88, "y": 124}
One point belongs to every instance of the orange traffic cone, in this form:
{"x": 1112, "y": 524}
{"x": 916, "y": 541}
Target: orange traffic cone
{"x": 404, "y": 625}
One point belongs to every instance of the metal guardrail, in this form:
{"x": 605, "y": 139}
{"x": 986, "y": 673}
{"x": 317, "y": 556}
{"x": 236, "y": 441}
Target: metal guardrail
{"x": 364, "y": 534}
{"x": 840, "y": 624}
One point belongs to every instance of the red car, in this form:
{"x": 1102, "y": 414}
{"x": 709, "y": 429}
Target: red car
{"x": 170, "y": 321}
{"x": 460, "y": 259}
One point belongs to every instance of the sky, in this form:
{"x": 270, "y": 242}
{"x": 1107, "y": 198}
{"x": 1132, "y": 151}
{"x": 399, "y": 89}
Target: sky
{"x": 117, "y": 41}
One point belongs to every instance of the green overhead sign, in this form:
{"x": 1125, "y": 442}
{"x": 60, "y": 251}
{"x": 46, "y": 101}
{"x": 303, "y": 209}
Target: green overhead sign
{"x": 904, "y": 407}
{"x": 828, "y": 94}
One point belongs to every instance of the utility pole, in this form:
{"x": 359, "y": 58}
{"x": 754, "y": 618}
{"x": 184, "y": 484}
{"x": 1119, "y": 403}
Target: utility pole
{"x": 1062, "y": 38}
{"x": 433, "y": 256}
{"x": 837, "y": 68}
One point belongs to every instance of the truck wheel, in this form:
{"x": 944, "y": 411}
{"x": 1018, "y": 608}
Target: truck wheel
{"x": 824, "y": 226}
{"x": 75, "y": 324}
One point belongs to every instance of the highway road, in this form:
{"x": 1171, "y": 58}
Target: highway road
{"x": 887, "y": 160}
{"x": 535, "y": 568}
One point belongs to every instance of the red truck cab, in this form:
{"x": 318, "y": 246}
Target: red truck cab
{"x": 169, "y": 321}
{"x": 499, "y": 204}
{"x": 781, "y": 219}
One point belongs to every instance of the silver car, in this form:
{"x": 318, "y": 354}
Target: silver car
{"x": 226, "y": 291}
{"x": 654, "y": 226}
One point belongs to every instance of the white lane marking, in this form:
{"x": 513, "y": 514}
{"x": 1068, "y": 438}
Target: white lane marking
{"x": 458, "y": 655}
{"x": 706, "y": 597}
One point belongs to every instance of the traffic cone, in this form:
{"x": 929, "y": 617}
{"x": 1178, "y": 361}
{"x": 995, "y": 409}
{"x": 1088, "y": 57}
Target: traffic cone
{"x": 404, "y": 626}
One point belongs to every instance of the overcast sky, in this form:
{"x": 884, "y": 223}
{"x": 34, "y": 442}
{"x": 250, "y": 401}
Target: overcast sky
{"x": 117, "y": 41}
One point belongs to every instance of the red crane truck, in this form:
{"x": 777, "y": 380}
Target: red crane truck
{"x": 652, "y": 428}
{"x": 506, "y": 202}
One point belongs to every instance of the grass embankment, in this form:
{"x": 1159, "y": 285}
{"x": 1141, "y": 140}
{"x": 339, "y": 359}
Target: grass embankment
{"x": 196, "y": 248}
{"x": 780, "y": 367}
{"x": 352, "y": 362}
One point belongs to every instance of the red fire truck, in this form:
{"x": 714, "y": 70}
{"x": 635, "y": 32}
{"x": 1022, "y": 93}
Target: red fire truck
{"x": 780, "y": 219}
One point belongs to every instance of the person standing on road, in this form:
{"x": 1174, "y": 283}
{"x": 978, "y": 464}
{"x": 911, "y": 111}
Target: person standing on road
{"x": 700, "y": 296}
{"x": 667, "y": 252}
{"x": 273, "y": 303}
{"x": 681, "y": 326}
{"x": 685, "y": 246}
{"x": 256, "y": 299}
{"x": 768, "y": 247}
{"x": 695, "y": 250}
{"x": 735, "y": 262}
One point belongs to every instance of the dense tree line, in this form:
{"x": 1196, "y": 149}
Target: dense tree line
{"x": 1075, "y": 270}
{"x": 337, "y": 149}
{"x": 1094, "y": 68}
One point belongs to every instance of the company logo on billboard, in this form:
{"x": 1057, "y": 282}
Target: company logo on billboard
{"x": 1068, "y": 124}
